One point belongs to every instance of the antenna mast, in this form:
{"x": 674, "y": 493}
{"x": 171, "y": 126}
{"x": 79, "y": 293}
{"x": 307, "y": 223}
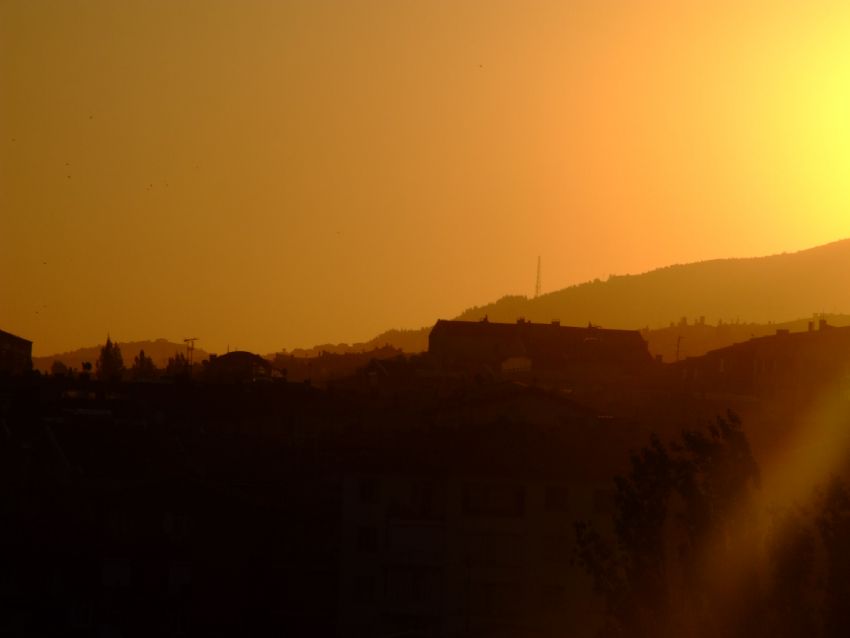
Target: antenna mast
{"x": 537, "y": 285}
{"x": 190, "y": 349}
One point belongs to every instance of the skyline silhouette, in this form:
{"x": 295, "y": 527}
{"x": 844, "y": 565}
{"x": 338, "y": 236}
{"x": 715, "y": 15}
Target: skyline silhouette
{"x": 753, "y": 293}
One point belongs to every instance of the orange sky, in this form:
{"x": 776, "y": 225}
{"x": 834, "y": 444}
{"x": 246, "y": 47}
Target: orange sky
{"x": 276, "y": 174}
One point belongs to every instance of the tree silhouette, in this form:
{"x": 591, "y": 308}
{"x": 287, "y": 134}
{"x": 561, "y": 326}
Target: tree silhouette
{"x": 177, "y": 365}
{"x": 709, "y": 476}
{"x": 110, "y": 363}
{"x": 833, "y": 522}
{"x": 58, "y": 369}
{"x": 791, "y": 550}
{"x": 143, "y": 367}
{"x": 630, "y": 572}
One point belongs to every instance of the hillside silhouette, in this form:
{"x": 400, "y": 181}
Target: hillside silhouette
{"x": 412, "y": 341}
{"x": 759, "y": 290}
{"x": 722, "y": 301}
{"x": 709, "y": 304}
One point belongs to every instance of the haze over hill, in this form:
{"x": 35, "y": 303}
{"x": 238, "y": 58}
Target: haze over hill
{"x": 760, "y": 289}
{"x": 752, "y": 292}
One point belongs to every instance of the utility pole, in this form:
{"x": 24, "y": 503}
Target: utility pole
{"x": 537, "y": 285}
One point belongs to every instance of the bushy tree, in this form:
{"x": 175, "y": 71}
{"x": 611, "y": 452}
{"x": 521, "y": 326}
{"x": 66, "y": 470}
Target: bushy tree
{"x": 110, "y": 363}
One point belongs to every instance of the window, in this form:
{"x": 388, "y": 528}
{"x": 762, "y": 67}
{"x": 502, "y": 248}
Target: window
{"x": 502, "y": 549}
{"x": 367, "y": 540}
{"x": 370, "y": 491}
{"x": 494, "y": 500}
{"x": 414, "y": 584}
{"x": 365, "y": 586}
{"x": 497, "y": 600}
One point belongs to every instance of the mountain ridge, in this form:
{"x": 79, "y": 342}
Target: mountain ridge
{"x": 757, "y": 289}
{"x": 760, "y": 292}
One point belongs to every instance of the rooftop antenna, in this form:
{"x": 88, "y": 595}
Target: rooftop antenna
{"x": 190, "y": 348}
{"x": 537, "y": 285}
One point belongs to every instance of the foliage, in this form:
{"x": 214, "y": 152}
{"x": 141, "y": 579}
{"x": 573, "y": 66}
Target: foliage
{"x": 708, "y": 476}
{"x": 833, "y": 524}
{"x": 143, "y": 367}
{"x": 177, "y": 365}
{"x": 110, "y": 363}
{"x": 58, "y": 369}
{"x": 791, "y": 549}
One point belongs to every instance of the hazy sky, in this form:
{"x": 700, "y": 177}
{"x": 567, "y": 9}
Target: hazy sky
{"x": 278, "y": 174}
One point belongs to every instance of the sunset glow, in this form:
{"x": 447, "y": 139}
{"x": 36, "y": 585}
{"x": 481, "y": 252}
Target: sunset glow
{"x": 273, "y": 175}
{"x": 427, "y": 318}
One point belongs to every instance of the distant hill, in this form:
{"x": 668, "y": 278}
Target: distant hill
{"x": 759, "y": 290}
{"x": 159, "y": 350}
{"x": 738, "y": 298}
{"x": 405, "y": 340}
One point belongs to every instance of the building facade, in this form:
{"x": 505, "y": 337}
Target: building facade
{"x": 15, "y": 354}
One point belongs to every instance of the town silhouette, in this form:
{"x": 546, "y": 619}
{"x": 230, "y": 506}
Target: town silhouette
{"x": 511, "y": 479}
{"x": 424, "y": 319}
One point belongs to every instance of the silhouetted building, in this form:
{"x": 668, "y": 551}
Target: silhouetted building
{"x": 15, "y": 354}
{"x": 330, "y": 366}
{"x": 787, "y": 364}
{"x": 468, "y": 531}
{"x": 539, "y": 347}
{"x": 238, "y": 366}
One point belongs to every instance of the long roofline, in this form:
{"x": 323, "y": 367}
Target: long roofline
{"x": 798, "y": 335}
{"x": 458, "y": 322}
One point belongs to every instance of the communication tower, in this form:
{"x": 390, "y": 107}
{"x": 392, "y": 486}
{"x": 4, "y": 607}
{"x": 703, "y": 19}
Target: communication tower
{"x": 190, "y": 349}
{"x": 537, "y": 285}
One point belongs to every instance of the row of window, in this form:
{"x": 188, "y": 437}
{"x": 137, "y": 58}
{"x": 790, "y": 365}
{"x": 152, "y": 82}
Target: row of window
{"x": 427, "y": 500}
